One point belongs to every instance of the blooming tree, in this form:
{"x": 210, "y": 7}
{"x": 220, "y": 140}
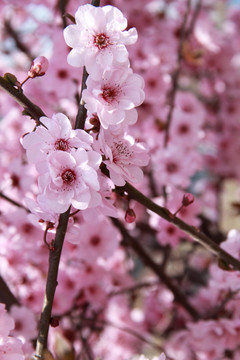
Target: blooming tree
{"x": 119, "y": 132}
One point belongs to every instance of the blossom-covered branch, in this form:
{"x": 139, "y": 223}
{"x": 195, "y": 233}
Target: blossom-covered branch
{"x": 194, "y": 232}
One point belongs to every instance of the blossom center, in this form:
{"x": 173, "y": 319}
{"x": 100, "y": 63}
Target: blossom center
{"x": 101, "y": 41}
{"x": 120, "y": 151}
{"x": 183, "y": 129}
{"x": 109, "y": 94}
{"x": 61, "y": 144}
{"x": 68, "y": 176}
{"x": 171, "y": 167}
{"x": 95, "y": 240}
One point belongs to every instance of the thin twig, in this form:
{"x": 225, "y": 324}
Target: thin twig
{"x": 192, "y": 231}
{"x": 134, "y": 288}
{"x": 180, "y": 297}
{"x": 15, "y": 36}
{"x": 164, "y": 213}
{"x": 176, "y": 73}
{"x": 74, "y": 213}
{"x": 13, "y": 202}
{"x": 124, "y": 329}
{"x": 86, "y": 347}
{"x": 82, "y": 111}
{"x": 61, "y": 4}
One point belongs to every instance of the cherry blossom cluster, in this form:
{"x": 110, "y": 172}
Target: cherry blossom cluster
{"x": 66, "y": 163}
{"x": 112, "y": 89}
{"x": 64, "y": 157}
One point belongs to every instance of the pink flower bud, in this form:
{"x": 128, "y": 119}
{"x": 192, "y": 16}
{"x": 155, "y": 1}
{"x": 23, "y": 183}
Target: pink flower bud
{"x": 54, "y": 322}
{"x": 187, "y": 199}
{"x": 130, "y": 216}
{"x": 39, "y": 67}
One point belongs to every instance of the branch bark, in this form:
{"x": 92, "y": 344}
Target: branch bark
{"x": 54, "y": 259}
{"x": 192, "y": 231}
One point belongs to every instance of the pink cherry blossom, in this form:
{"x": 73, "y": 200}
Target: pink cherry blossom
{"x": 98, "y": 241}
{"x": 11, "y": 349}
{"x": 111, "y": 97}
{"x": 25, "y": 322}
{"x": 6, "y": 322}
{"x": 98, "y": 39}
{"x": 40, "y": 212}
{"x": 122, "y": 156}
{"x": 56, "y": 134}
{"x": 174, "y": 165}
{"x": 71, "y": 179}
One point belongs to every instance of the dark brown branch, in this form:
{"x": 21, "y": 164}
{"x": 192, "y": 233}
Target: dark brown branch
{"x": 192, "y": 231}
{"x": 132, "y": 289}
{"x": 33, "y": 110}
{"x": 54, "y": 259}
{"x": 157, "y": 269}
{"x": 6, "y": 296}
{"x": 82, "y": 111}
{"x": 61, "y": 4}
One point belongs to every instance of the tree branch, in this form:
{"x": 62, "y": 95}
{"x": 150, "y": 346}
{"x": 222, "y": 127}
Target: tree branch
{"x": 20, "y": 45}
{"x": 82, "y": 111}
{"x": 33, "y": 110}
{"x": 192, "y": 231}
{"x": 54, "y": 259}
{"x": 13, "y": 202}
{"x": 157, "y": 269}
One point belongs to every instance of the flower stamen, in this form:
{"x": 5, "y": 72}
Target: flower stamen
{"x": 68, "y": 177}
{"x": 101, "y": 41}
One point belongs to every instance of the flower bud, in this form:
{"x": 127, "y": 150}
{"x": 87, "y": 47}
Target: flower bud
{"x": 54, "y": 322}
{"x": 187, "y": 199}
{"x": 130, "y": 216}
{"x": 39, "y": 67}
